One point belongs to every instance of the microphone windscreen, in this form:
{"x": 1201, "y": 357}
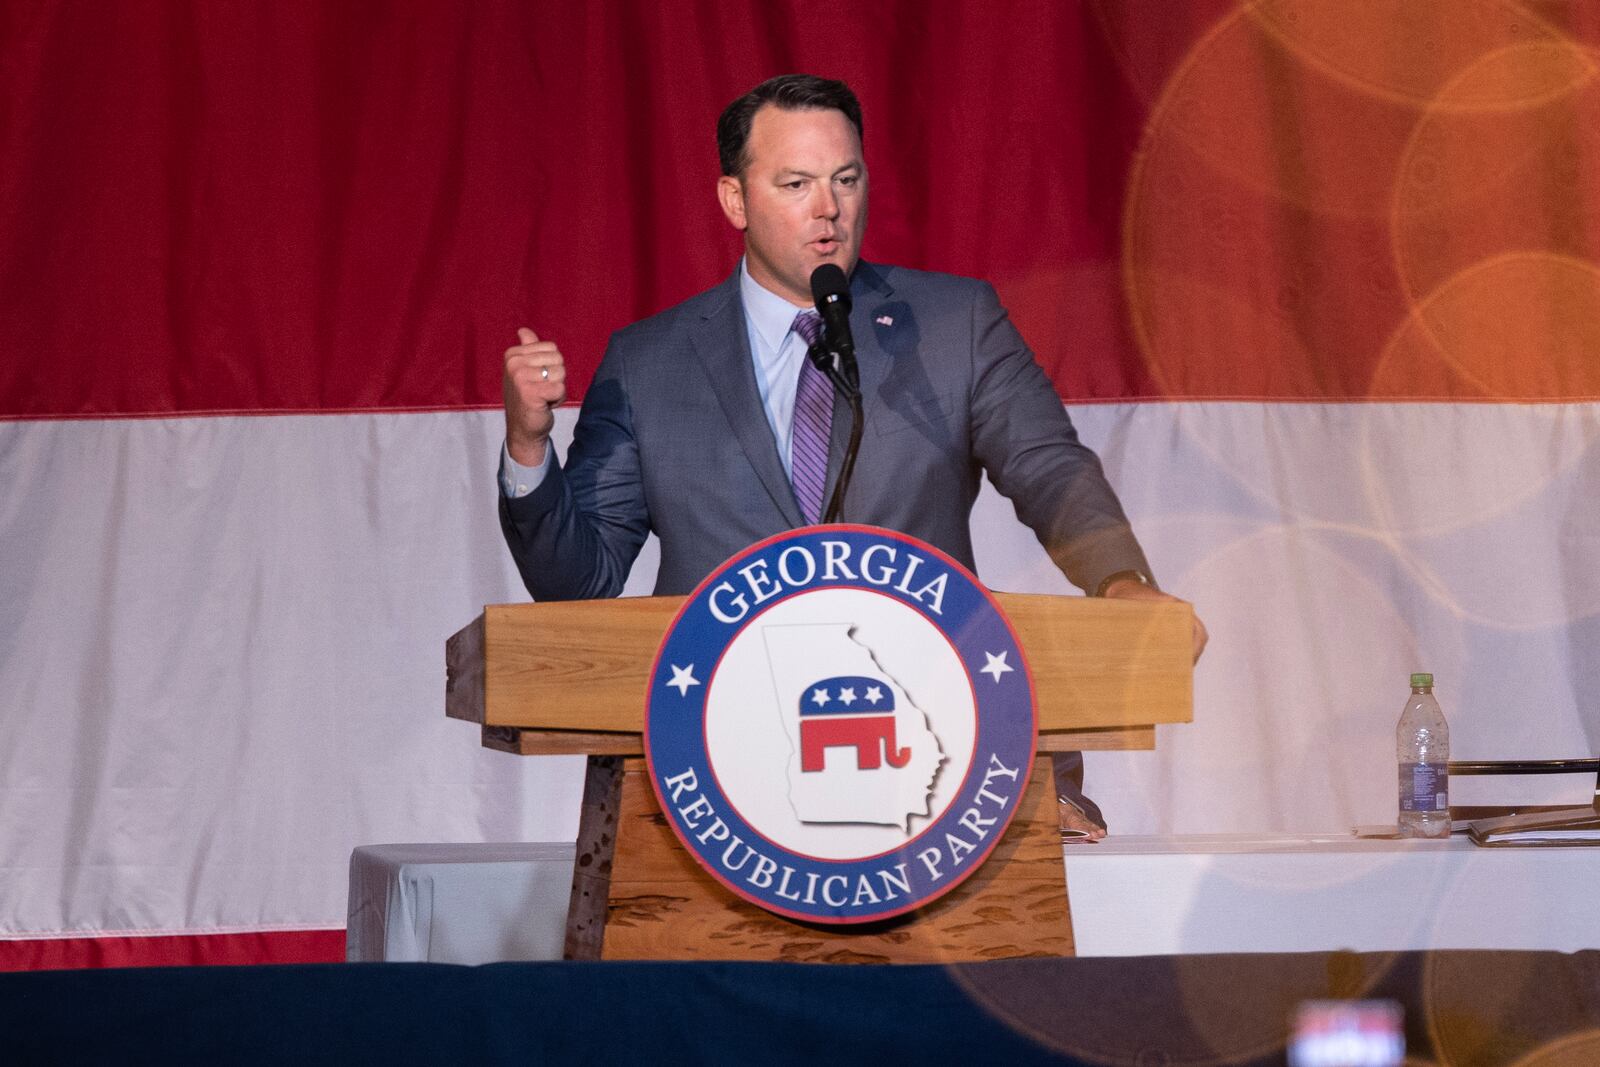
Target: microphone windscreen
{"x": 830, "y": 286}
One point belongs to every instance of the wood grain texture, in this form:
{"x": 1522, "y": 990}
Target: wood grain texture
{"x": 579, "y": 665}
{"x": 464, "y": 669}
{"x": 663, "y": 905}
{"x": 1100, "y": 739}
{"x": 593, "y": 858}
{"x": 522, "y": 742}
{"x": 1098, "y": 662}
{"x": 502, "y": 739}
{"x": 584, "y": 665}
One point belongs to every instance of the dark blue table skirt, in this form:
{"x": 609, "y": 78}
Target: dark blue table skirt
{"x": 1460, "y": 1007}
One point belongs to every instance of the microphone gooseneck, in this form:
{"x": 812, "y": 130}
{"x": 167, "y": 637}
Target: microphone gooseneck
{"x": 835, "y": 356}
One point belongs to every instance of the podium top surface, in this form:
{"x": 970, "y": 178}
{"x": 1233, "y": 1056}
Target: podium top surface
{"x": 585, "y": 665}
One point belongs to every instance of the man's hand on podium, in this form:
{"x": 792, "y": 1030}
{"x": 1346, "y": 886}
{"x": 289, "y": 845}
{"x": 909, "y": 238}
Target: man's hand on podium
{"x": 1075, "y": 825}
{"x": 1133, "y": 589}
{"x": 535, "y": 384}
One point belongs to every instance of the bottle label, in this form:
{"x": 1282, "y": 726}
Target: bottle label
{"x": 1425, "y": 787}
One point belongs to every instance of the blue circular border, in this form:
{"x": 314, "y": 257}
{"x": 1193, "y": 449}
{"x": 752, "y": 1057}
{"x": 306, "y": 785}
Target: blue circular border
{"x": 674, "y": 735}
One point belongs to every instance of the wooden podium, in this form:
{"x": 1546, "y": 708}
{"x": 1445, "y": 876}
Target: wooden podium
{"x": 569, "y": 678}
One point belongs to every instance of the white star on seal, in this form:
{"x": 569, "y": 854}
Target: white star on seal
{"x": 874, "y": 694}
{"x": 819, "y": 697}
{"x": 847, "y": 696}
{"x": 683, "y": 678}
{"x": 997, "y": 665}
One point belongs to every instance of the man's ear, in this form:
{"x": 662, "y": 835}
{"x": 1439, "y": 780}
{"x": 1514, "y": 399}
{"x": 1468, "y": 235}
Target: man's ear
{"x": 730, "y": 194}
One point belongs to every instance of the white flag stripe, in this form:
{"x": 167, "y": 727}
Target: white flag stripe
{"x": 221, "y": 639}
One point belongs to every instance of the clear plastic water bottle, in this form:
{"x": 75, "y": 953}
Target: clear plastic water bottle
{"x": 1422, "y": 745}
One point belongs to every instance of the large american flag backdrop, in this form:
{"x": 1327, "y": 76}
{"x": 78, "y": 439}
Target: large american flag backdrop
{"x": 1318, "y": 280}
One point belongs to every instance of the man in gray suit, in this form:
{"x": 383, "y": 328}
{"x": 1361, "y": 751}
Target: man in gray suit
{"x": 689, "y": 428}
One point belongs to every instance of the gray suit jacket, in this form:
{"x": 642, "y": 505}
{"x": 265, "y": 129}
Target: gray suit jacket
{"x": 672, "y": 439}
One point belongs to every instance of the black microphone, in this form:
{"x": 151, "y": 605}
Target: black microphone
{"x": 835, "y": 356}
{"x": 831, "y": 291}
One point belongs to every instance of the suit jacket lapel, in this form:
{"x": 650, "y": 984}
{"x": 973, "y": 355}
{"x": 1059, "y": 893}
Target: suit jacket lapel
{"x": 723, "y": 346}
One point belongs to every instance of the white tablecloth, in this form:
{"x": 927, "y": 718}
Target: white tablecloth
{"x": 1135, "y": 896}
{"x": 470, "y": 903}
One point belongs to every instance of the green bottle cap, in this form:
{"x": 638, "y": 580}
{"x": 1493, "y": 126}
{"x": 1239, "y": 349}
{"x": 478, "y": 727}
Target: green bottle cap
{"x": 1422, "y": 681}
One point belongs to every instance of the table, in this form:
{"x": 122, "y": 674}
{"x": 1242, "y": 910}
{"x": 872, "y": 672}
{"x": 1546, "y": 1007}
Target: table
{"x": 1136, "y": 896}
{"x": 458, "y": 903}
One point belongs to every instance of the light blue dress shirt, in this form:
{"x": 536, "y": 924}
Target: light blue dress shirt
{"x": 777, "y": 352}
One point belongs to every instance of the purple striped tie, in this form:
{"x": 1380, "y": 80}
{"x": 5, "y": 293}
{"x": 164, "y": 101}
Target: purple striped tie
{"x": 813, "y": 426}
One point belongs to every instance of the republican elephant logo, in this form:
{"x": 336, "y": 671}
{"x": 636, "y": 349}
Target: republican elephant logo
{"x": 849, "y": 711}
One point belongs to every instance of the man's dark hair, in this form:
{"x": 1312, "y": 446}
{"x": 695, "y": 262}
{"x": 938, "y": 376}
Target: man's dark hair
{"x": 791, "y": 92}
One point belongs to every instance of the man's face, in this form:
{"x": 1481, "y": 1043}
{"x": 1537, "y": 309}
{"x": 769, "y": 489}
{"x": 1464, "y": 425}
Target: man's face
{"x": 802, "y": 201}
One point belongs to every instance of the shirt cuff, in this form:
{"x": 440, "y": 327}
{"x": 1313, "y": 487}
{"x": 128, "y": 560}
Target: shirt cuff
{"x": 515, "y": 479}
{"x": 1137, "y": 576}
